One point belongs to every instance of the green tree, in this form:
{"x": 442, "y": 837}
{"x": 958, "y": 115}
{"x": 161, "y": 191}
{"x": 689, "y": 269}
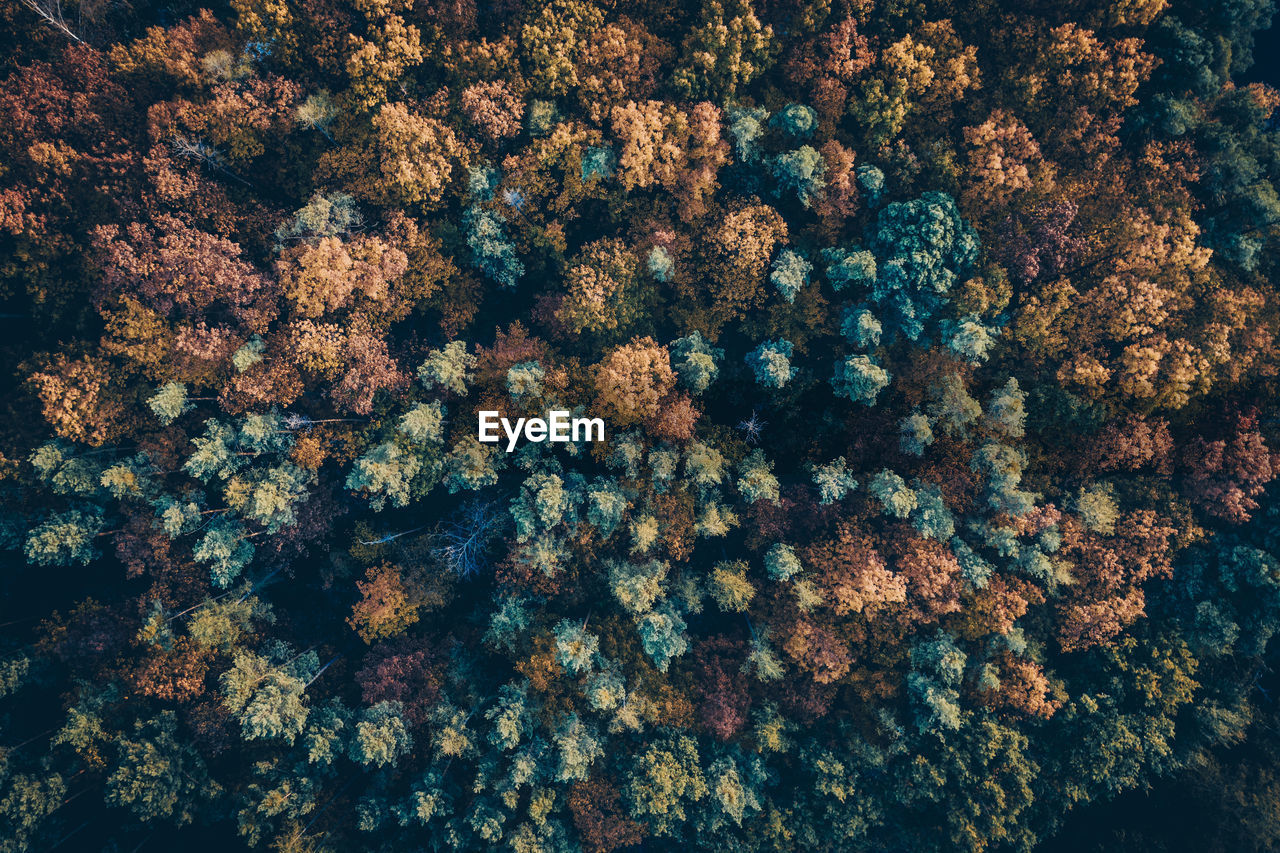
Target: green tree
{"x": 156, "y": 776}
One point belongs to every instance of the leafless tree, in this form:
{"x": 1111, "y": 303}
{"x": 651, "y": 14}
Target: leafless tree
{"x": 197, "y": 149}
{"x": 50, "y": 11}
{"x": 463, "y": 541}
{"x": 753, "y": 427}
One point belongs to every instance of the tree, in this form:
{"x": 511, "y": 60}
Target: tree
{"x": 803, "y": 172}
{"x": 607, "y": 506}
{"x": 828, "y": 64}
{"x": 325, "y": 215}
{"x": 730, "y": 588}
{"x": 424, "y": 423}
{"x": 662, "y": 635}
{"x": 28, "y": 800}
{"x": 937, "y": 666}
{"x": 381, "y": 736}
{"x": 268, "y": 698}
{"x": 1006, "y": 412}
{"x": 552, "y": 40}
{"x": 79, "y": 401}
{"x": 917, "y": 434}
{"x": 157, "y": 776}
{"x": 471, "y": 465}
{"x": 854, "y": 575}
{"x": 756, "y": 480}
{"x": 603, "y": 290}
{"x": 782, "y": 563}
{"x": 268, "y": 497}
{"x": 331, "y": 274}
{"x": 66, "y": 538}
{"x": 543, "y": 502}
{"x": 660, "y": 264}
{"x": 633, "y": 379}
{"x": 1225, "y": 477}
{"x": 385, "y": 608}
{"x": 575, "y": 648}
{"x": 578, "y": 749}
{"x": 922, "y": 247}
{"x": 409, "y": 159}
{"x": 169, "y": 402}
{"x": 860, "y": 378}
{"x": 621, "y": 61}
{"x": 492, "y": 252}
{"x": 696, "y": 362}
{"x": 599, "y": 817}
{"x": 726, "y": 51}
{"x": 386, "y": 472}
{"x": 747, "y": 126}
{"x": 638, "y": 586}
{"x": 448, "y": 368}
{"x": 665, "y": 146}
{"x": 663, "y": 779}
{"x": 790, "y": 273}
{"x": 833, "y": 481}
{"x": 227, "y": 550}
{"x": 737, "y": 258}
{"x": 771, "y": 363}
{"x": 493, "y": 108}
{"x": 1004, "y": 161}
{"x": 184, "y": 273}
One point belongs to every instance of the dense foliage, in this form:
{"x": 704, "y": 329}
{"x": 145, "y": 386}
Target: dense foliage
{"x": 936, "y": 344}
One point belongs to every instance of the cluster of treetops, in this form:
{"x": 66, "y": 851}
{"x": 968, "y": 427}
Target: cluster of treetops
{"x": 936, "y": 343}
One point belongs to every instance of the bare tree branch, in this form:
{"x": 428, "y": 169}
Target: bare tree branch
{"x": 197, "y": 149}
{"x": 50, "y": 11}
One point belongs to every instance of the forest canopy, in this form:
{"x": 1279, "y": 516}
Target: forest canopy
{"x": 936, "y": 348}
